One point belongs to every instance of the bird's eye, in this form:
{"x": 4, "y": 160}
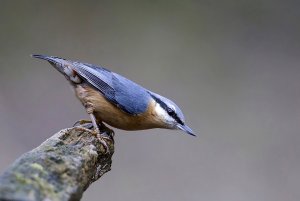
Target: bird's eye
{"x": 170, "y": 111}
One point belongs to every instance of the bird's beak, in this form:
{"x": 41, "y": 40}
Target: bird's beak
{"x": 186, "y": 129}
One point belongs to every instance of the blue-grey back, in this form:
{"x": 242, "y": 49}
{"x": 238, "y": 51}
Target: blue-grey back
{"x": 124, "y": 93}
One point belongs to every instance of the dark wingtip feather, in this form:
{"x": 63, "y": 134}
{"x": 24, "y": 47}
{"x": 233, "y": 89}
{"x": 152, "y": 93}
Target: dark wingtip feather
{"x": 44, "y": 57}
{"x": 39, "y": 56}
{"x": 51, "y": 59}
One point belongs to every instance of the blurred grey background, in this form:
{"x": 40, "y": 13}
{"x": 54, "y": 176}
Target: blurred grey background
{"x": 232, "y": 66}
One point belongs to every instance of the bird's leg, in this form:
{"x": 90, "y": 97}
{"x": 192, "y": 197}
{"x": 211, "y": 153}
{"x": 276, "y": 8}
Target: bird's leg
{"x": 90, "y": 111}
{"x": 108, "y": 133}
{"x": 103, "y": 129}
{"x": 97, "y": 132}
{"x": 92, "y": 116}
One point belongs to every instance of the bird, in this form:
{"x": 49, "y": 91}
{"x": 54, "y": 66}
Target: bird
{"x": 117, "y": 101}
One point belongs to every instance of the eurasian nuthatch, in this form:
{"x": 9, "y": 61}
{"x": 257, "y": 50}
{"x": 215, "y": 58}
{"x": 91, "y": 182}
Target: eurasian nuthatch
{"x": 111, "y": 98}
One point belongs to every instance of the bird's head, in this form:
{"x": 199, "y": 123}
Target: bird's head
{"x": 170, "y": 114}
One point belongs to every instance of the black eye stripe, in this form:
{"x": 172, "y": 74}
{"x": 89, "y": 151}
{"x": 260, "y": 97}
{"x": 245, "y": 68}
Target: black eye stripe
{"x": 177, "y": 118}
{"x": 170, "y": 111}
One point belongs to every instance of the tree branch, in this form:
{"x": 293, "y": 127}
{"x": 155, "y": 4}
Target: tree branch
{"x": 61, "y": 168}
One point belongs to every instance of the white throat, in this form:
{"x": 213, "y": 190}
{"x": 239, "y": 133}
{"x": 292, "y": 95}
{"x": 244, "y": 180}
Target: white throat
{"x": 163, "y": 115}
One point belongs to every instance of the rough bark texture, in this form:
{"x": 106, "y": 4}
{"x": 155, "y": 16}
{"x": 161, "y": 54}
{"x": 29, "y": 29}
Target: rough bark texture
{"x": 61, "y": 168}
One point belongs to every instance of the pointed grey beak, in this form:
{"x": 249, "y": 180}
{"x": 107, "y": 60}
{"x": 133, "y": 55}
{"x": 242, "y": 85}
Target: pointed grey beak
{"x": 186, "y": 129}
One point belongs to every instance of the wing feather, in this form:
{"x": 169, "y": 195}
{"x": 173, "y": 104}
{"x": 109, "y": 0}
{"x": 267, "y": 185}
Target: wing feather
{"x": 95, "y": 78}
{"x": 119, "y": 90}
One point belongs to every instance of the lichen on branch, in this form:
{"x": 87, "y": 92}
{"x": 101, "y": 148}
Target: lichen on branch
{"x": 61, "y": 168}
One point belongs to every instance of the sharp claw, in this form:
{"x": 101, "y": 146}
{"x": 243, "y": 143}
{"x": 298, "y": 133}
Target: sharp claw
{"x": 81, "y": 122}
{"x": 109, "y": 133}
{"x": 100, "y": 131}
{"x": 102, "y": 138}
{"x": 103, "y": 142}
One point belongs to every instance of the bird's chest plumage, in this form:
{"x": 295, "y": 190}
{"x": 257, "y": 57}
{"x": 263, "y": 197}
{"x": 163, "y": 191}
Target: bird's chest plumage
{"x": 109, "y": 113}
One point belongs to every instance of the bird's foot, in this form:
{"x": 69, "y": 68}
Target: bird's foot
{"x": 84, "y": 123}
{"x": 103, "y": 139}
{"x": 103, "y": 134}
{"x": 109, "y": 133}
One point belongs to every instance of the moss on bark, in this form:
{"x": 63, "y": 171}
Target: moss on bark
{"x": 61, "y": 168}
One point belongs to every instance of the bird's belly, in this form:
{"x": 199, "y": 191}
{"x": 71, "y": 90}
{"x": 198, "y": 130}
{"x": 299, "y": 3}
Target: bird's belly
{"x": 107, "y": 112}
{"x": 117, "y": 118}
{"x": 122, "y": 121}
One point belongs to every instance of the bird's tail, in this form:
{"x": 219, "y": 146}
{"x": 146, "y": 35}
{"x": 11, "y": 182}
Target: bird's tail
{"x": 62, "y": 65}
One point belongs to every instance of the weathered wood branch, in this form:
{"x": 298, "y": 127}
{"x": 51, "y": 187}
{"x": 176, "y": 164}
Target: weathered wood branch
{"x": 61, "y": 168}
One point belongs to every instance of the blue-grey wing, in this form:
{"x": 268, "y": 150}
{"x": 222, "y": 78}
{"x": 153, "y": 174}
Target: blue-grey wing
{"x": 131, "y": 96}
{"x": 99, "y": 78}
{"x": 125, "y": 94}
